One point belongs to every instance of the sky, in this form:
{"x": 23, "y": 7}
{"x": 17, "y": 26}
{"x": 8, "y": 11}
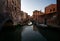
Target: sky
{"x": 30, "y": 5}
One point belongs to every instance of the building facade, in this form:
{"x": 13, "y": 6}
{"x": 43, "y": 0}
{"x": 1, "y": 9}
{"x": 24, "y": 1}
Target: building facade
{"x": 58, "y": 11}
{"x": 50, "y": 8}
{"x": 38, "y": 16}
{"x": 3, "y": 9}
{"x": 51, "y": 14}
{"x": 11, "y": 8}
{"x": 4, "y": 15}
{"x": 15, "y": 9}
{"x": 24, "y": 18}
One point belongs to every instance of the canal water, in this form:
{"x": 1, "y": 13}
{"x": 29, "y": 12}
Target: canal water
{"x": 30, "y": 33}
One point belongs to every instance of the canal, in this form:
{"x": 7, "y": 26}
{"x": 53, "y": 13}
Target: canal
{"x": 30, "y": 33}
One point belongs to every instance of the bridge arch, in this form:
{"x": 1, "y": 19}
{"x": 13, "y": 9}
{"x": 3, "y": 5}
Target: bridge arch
{"x": 7, "y": 23}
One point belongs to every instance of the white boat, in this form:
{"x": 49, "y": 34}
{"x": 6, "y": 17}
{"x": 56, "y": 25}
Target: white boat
{"x": 30, "y": 23}
{"x": 43, "y": 25}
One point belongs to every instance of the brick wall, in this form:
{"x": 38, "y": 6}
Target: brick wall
{"x": 51, "y": 14}
{"x": 51, "y": 8}
{"x": 38, "y": 16}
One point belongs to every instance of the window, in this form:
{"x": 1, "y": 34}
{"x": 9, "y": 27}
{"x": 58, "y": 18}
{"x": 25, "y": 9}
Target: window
{"x": 15, "y": 8}
{"x": 50, "y": 10}
{"x": 12, "y": 1}
{"x": 15, "y": 2}
{"x": 53, "y": 9}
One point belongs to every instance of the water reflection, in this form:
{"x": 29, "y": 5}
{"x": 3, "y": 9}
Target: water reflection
{"x": 35, "y": 28}
{"x": 50, "y": 34}
{"x": 10, "y": 34}
{"x": 29, "y": 33}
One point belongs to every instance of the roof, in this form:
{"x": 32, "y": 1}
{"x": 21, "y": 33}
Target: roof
{"x": 50, "y": 5}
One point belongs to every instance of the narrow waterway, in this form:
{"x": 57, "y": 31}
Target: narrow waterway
{"x": 30, "y": 33}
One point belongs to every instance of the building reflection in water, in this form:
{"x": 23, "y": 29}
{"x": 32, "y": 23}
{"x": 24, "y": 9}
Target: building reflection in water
{"x": 10, "y": 35}
{"x": 35, "y": 28}
{"x": 49, "y": 34}
{"x": 29, "y": 33}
